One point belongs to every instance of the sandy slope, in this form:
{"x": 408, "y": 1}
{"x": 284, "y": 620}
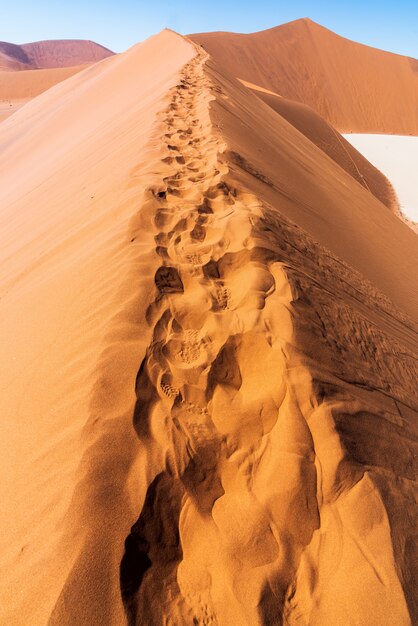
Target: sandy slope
{"x": 180, "y": 231}
{"x": 397, "y": 158}
{"x": 30, "y": 69}
{"x": 74, "y": 167}
{"x": 330, "y": 141}
{"x": 9, "y": 63}
{"x": 354, "y": 87}
{"x": 19, "y": 87}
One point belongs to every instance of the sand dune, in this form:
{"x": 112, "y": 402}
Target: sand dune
{"x": 54, "y": 53}
{"x": 10, "y": 63}
{"x": 354, "y": 87}
{"x": 329, "y": 140}
{"x": 30, "y": 69}
{"x": 176, "y": 237}
{"x": 74, "y": 276}
{"x": 19, "y": 87}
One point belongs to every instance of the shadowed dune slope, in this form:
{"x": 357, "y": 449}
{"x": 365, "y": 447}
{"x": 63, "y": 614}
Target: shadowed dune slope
{"x": 354, "y": 87}
{"x": 329, "y": 140}
{"x": 54, "y": 53}
{"x": 10, "y": 63}
{"x": 209, "y": 395}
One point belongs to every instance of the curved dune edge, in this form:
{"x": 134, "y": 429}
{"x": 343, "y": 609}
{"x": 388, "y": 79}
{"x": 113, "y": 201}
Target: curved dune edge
{"x": 271, "y": 449}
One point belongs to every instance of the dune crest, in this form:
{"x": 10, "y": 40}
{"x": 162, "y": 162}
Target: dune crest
{"x": 247, "y": 284}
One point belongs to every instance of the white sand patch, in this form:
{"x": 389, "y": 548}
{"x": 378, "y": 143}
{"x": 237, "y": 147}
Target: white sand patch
{"x": 397, "y": 157}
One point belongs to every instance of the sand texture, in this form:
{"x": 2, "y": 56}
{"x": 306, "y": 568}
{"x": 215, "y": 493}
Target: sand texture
{"x": 356, "y": 88}
{"x": 208, "y": 329}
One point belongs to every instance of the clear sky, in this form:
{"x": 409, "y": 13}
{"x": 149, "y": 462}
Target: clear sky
{"x": 387, "y": 24}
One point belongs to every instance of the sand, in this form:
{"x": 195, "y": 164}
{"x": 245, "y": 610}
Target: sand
{"x": 70, "y": 256}
{"x": 30, "y": 69}
{"x": 397, "y": 158}
{"x": 209, "y": 339}
{"x": 356, "y": 88}
{"x": 330, "y": 141}
{"x": 19, "y": 87}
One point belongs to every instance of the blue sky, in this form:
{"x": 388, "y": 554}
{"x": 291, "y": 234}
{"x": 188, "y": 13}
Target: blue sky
{"x": 118, "y": 24}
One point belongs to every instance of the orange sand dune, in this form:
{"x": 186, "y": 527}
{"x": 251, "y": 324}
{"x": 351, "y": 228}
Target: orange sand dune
{"x": 54, "y": 53}
{"x": 208, "y": 328}
{"x": 354, "y": 87}
{"x": 58, "y": 58}
{"x": 332, "y": 143}
{"x": 17, "y": 88}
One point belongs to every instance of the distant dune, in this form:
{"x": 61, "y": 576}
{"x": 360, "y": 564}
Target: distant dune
{"x": 208, "y": 403}
{"x": 354, "y": 87}
{"x": 52, "y": 54}
{"x": 29, "y": 69}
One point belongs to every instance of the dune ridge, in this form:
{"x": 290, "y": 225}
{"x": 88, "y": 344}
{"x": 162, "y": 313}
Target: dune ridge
{"x": 269, "y": 451}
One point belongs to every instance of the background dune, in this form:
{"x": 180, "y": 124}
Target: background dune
{"x": 356, "y": 88}
{"x": 28, "y": 70}
{"x": 54, "y": 53}
{"x": 208, "y": 398}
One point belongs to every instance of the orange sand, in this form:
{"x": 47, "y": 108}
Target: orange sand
{"x": 19, "y": 87}
{"x": 166, "y": 232}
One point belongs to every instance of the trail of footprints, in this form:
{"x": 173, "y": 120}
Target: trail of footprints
{"x": 187, "y": 237}
{"x": 202, "y": 234}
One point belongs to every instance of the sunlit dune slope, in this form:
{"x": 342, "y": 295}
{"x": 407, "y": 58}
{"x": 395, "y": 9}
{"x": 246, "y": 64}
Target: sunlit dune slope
{"x": 74, "y": 165}
{"x": 354, "y": 87}
{"x": 208, "y": 398}
{"x": 30, "y": 69}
